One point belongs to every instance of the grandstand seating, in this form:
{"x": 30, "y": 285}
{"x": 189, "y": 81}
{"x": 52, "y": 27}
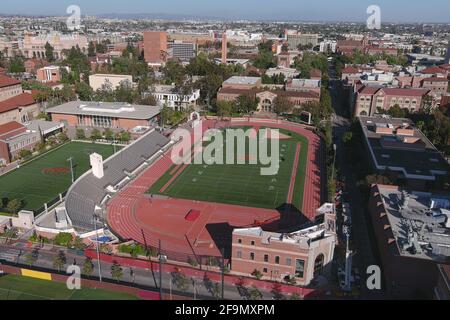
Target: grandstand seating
{"x": 88, "y": 191}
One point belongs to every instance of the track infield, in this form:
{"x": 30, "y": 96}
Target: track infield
{"x": 241, "y": 184}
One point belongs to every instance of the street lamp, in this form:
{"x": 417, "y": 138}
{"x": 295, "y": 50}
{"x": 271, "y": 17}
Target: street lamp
{"x": 71, "y": 168}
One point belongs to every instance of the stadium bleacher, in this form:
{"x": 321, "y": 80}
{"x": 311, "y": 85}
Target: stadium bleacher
{"x": 88, "y": 192}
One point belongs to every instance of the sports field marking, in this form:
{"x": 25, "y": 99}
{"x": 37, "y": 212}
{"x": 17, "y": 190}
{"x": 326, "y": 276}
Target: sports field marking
{"x": 294, "y": 174}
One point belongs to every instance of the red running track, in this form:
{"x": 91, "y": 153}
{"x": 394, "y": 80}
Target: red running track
{"x": 134, "y": 215}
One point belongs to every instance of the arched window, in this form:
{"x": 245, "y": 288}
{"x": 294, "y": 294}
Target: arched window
{"x": 267, "y": 105}
{"x": 363, "y": 113}
{"x": 318, "y": 264}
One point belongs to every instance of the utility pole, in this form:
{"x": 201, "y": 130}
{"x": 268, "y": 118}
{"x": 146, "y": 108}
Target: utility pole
{"x": 71, "y": 168}
{"x": 98, "y": 251}
{"x": 160, "y": 271}
{"x": 223, "y": 273}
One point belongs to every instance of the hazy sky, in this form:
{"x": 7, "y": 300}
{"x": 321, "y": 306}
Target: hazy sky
{"x": 345, "y": 10}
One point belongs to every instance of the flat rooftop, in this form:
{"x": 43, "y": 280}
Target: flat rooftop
{"x": 420, "y": 222}
{"x": 107, "y": 109}
{"x": 398, "y": 145}
{"x": 243, "y": 80}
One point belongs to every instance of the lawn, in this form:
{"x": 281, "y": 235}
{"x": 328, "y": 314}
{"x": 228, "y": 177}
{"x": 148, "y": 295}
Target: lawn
{"x": 13, "y": 287}
{"x": 43, "y": 179}
{"x": 240, "y": 184}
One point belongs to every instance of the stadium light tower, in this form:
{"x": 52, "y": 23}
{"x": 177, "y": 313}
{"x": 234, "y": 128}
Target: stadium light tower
{"x": 98, "y": 252}
{"x": 71, "y": 168}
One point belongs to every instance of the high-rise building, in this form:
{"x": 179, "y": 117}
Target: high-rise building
{"x": 183, "y": 50}
{"x": 224, "y": 48}
{"x": 296, "y": 39}
{"x": 155, "y": 47}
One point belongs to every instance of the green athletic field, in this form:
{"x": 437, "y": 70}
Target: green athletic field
{"x": 13, "y": 287}
{"x": 43, "y": 179}
{"x": 241, "y": 184}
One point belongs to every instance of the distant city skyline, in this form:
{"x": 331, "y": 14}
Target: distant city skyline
{"x": 296, "y": 10}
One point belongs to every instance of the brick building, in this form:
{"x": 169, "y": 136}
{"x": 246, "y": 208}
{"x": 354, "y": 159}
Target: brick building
{"x": 104, "y": 115}
{"x": 412, "y": 238}
{"x": 155, "y": 47}
{"x": 15, "y": 137}
{"x": 9, "y": 87}
{"x": 303, "y": 255}
{"x": 370, "y": 99}
{"x": 49, "y": 74}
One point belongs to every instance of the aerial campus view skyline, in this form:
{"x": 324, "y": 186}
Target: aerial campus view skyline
{"x": 241, "y": 153}
{"x": 401, "y": 11}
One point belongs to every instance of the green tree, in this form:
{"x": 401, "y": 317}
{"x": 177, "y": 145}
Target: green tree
{"x": 32, "y": 257}
{"x": 84, "y": 91}
{"x": 397, "y": 112}
{"x": 24, "y": 154}
{"x": 282, "y": 104}
{"x": 63, "y": 239}
{"x": 246, "y": 104}
{"x": 14, "y": 206}
{"x": 257, "y": 274}
{"x": 255, "y": 294}
{"x": 59, "y": 260}
{"x": 80, "y": 134}
{"x": 347, "y": 137}
{"x": 91, "y": 49}
{"x": 88, "y": 267}
{"x": 16, "y": 65}
{"x": 116, "y": 271}
{"x": 295, "y": 296}
{"x": 109, "y": 134}
{"x": 49, "y": 52}
{"x": 125, "y": 136}
{"x": 95, "y": 135}
{"x": 180, "y": 280}
{"x": 224, "y": 108}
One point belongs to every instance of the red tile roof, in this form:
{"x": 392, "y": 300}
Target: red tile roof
{"x": 436, "y": 79}
{"x": 21, "y": 100}
{"x": 445, "y": 67}
{"x": 9, "y": 126}
{"x": 432, "y": 70}
{"x": 7, "y": 81}
{"x": 350, "y": 70}
{"x": 405, "y": 92}
{"x": 368, "y": 90}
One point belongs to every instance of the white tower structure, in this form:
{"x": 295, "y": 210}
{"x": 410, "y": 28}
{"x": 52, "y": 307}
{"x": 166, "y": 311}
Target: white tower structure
{"x": 97, "y": 165}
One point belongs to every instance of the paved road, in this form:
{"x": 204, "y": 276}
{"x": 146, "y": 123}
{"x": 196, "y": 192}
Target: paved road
{"x": 16, "y": 254}
{"x": 360, "y": 228}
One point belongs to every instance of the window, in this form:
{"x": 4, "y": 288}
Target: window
{"x": 288, "y": 261}
{"x": 252, "y": 256}
{"x": 318, "y": 264}
{"x": 265, "y": 270}
{"x": 277, "y": 260}
{"x": 239, "y": 254}
{"x": 299, "y": 268}
{"x": 252, "y": 243}
{"x": 239, "y": 240}
{"x": 266, "y": 258}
